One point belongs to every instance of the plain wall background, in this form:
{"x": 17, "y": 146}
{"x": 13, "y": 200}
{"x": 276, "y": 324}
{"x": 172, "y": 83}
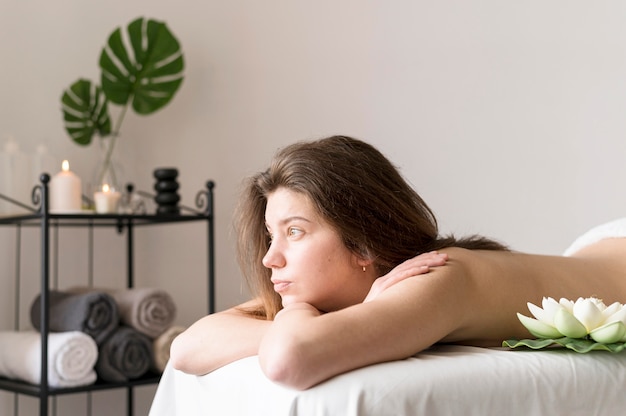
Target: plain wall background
{"x": 507, "y": 117}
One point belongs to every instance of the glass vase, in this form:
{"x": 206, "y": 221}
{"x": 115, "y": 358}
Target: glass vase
{"x": 108, "y": 170}
{"x": 107, "y": 176}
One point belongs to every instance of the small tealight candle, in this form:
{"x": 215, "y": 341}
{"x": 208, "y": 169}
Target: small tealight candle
{"x": 107, "y": 200}
{"x": 65, "y": 191}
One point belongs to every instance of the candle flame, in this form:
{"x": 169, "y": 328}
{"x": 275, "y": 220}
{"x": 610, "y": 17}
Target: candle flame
{"x": 105, "y": 188}
{"x": 65, "y": 166}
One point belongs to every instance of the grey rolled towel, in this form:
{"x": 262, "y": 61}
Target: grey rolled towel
{"x": 125, "y": 355}
{"x": 148, "y": 310}
{"x": 94, "y": 313}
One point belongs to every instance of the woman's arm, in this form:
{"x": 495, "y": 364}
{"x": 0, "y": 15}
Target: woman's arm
{"x": 303, "y": 348}
{"x": 217, "y": 340}
{"x": 221, "y": 338}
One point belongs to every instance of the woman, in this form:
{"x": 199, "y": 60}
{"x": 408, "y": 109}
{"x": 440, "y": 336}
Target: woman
{"x": 348, "y": 269}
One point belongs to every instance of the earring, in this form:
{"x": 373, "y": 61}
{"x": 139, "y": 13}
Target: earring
{"x": 363, "y": 269}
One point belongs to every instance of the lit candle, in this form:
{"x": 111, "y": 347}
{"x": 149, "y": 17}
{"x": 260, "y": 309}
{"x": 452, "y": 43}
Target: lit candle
{"x": 107, "y": 200}
{"x": 65, "y": 191}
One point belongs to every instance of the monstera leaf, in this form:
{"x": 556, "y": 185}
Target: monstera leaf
{"x": 148, "y": 71}
{"x": 142, "y": 67}
{"x": 85, "y": 111}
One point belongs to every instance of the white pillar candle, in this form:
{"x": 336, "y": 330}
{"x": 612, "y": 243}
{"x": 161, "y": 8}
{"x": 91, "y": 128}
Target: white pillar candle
{"x": 65, "y": 191}
{"x": 106, "y": 200}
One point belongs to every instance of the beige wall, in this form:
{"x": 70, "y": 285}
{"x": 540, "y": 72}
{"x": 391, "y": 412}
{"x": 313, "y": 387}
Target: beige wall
{"x": 508, "y": 117}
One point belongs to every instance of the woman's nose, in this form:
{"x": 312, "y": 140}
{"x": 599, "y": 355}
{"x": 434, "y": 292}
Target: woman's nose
{"x": 274, "y": 257}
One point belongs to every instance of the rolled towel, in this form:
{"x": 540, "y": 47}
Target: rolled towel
{"x": 94, "y": 313}
{"x": 71, "y": 357}
{"x": 148, "y": 310}
{"x": 161, "y": 347}
{"x": 125, "y": 355}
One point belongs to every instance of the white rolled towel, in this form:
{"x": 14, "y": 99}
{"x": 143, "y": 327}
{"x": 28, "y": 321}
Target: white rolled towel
{"x": 71, "y": 357}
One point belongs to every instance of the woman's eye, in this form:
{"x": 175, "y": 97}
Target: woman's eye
{"x": 294, "y": 231}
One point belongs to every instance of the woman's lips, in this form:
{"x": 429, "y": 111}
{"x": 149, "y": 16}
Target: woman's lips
{"x": 280, "y": 285}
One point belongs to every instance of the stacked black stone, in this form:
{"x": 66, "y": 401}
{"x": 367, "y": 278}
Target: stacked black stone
{"x": 166, "y": 188}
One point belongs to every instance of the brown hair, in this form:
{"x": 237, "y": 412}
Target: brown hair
{"x": 358, "y": 192}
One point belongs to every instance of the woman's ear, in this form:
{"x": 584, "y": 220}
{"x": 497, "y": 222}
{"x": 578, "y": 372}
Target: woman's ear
{"x": 364, "y": 262}
{"x": 363, "y": 259}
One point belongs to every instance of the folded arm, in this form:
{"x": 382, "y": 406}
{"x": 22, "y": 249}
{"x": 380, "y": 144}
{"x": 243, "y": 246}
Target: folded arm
{"x": 217, "y": 340}
{"x": 224, "y": 337}
{"x": 303, "y": 348}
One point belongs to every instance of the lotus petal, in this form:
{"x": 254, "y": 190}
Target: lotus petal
{"x": 598, "y": 302}
{"x": 538, "y": 328}
{"x": 588, "y": 313}
{"x": 619, "y": 315}
{"x": 612, "y": 309}
{"x": 609, "y": 333}
{"x": 550, "y": 306}
{"x": 567, "y": 304}
{"x": 568, "y": 325}
{"x": 541, "y": 314}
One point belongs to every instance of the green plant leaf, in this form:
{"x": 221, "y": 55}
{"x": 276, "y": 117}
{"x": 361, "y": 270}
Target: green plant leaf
{"x": 85, "y": 112}
{"x": 576, "y": 344}
{"x": 534, "y": 344}
{"x": 149, "y": 71}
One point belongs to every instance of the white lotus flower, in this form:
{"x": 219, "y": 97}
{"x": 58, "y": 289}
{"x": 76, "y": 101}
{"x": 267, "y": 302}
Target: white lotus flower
{"x": 587, "y": 317}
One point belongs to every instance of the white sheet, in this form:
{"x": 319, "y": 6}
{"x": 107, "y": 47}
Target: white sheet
{"x": 445, "y": 380}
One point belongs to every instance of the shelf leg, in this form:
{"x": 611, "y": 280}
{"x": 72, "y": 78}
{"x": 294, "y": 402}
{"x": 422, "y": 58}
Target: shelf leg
{"x": 130, "y": 402}
{"x": 130, "y": 273}
{"x": 43, "y": 406}
{"x": 45, "y": 296}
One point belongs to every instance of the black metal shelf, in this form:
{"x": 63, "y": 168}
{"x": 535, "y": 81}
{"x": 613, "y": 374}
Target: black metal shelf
{"x": 101, "y": 220}
{"x": 35, "y": 390}
{"x": 38, "y": 216}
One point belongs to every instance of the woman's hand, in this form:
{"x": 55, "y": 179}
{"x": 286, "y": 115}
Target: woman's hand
{"x": 413, "y": 267}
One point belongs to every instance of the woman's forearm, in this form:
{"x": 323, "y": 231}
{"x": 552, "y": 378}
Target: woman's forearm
{"x": 282, "y": 356}
{"x": 217, "y": 340}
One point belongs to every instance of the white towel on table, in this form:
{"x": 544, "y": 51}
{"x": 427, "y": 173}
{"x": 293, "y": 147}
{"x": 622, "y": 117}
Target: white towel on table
{"x": 613, "y": 229}
{"x": 71, "y": 357}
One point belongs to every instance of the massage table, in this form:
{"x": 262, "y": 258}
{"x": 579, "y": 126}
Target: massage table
{"x": 442, "y": 380}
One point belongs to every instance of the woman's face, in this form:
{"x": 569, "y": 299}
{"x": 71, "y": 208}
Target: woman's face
{"x": 309, "y": 262}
